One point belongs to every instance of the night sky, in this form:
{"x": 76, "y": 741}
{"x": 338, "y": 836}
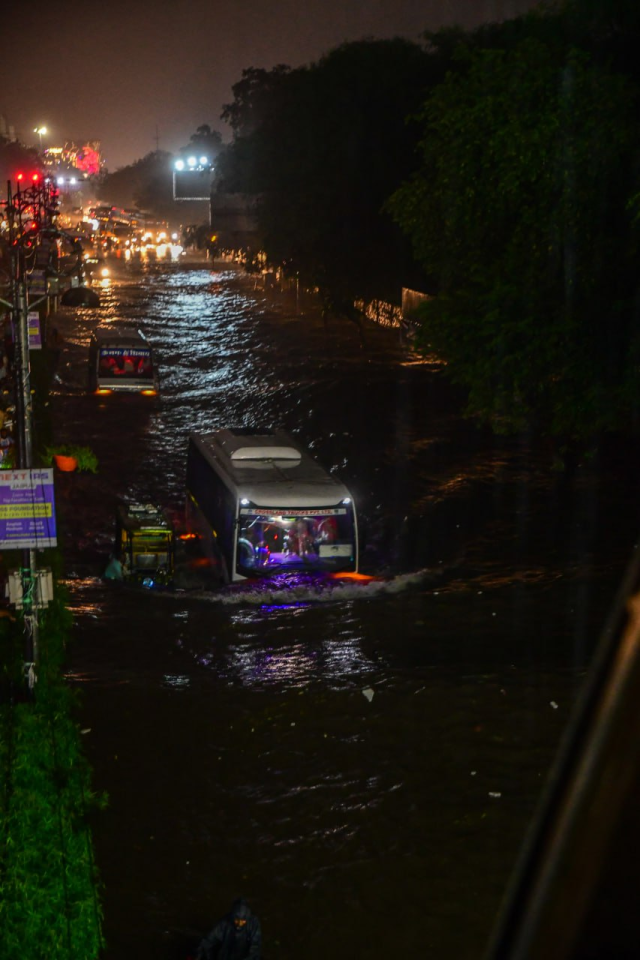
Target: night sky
{"x": 137, "y": 74}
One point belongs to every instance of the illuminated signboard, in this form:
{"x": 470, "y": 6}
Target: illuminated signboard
{"x": 35, "y": 334}
{"x": 27, "y": 509}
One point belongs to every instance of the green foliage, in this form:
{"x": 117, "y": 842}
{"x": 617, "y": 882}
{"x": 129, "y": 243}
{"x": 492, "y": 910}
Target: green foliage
{"x": 8, "y": 462}
{"x": 86, "y": 458}
{"x": 520, "y": 215}
{"x": 49, "y": 888}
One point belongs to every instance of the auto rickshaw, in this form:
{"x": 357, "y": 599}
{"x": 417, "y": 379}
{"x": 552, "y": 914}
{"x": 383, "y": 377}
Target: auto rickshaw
{"x": 144, "y": 545}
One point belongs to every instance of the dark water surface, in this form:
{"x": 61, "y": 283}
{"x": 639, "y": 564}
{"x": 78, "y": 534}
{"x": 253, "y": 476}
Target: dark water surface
{"x": 360, "y": 762}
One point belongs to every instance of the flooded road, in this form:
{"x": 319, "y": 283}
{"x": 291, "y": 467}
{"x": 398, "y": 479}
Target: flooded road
{"x": 360, "y": 763}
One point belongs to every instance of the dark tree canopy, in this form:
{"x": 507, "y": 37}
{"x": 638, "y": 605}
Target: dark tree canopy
{"x": 323, "y": 147}
{"x": 253, "y": 98}
{"x": 145, "y": 184}
{"x": 204, "y": 141}
{"x": 15, "y": 158}
{"x": 522, "y": 214}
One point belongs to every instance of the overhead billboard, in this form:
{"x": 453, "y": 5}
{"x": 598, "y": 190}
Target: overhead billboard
{"x": 192, "y": 184}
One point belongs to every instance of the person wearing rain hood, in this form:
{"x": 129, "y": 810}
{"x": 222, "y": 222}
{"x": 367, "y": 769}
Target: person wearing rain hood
{"x": 235, "y": 937}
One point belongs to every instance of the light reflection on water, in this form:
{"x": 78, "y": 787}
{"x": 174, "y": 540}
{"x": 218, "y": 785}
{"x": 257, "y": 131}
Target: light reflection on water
{"x": 293, "y": 591}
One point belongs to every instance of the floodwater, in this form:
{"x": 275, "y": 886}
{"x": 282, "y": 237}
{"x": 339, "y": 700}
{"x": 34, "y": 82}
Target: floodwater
{"x": 360, "y": 762}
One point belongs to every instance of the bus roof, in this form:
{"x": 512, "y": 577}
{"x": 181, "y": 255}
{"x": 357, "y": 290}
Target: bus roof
{"x": 269, "y": 469}
{"x": 119, "y": 336}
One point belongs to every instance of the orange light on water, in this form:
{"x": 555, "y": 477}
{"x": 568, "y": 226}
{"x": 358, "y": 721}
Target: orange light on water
{"x": 102, "y": 391}
{"x": 188, "y": 536}
{"x": 148, "y": 393}
{"x": 353, "y": 576}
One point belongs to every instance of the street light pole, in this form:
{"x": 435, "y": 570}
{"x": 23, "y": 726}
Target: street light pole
{"x": 40, "y": 131}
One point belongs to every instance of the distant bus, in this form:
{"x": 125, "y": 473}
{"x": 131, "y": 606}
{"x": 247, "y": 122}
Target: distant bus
{"x": 261, "y": 505}
{"x": 121, "y": 361}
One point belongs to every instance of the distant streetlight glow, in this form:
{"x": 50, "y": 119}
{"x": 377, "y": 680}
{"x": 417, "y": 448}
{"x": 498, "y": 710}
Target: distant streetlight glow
{"x": 179, "y": 164}
{"x": 191, "y": 161}
{"x": 204, "y": 161}
{"x": 40, "y": 131}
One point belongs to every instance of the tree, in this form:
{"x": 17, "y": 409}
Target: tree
{"x": 520, "y": 215}
{"x": 204, "y": 142}
{"x": 253, "y": 98}
{"x": 146, "y": 184}
{"x": 15, "y": 158}
{"x": 323, "y": 147}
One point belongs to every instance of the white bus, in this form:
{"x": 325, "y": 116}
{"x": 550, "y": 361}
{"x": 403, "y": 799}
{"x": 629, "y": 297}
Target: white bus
{"x": 261, "y": 505}
{"x": 121, "y": 361}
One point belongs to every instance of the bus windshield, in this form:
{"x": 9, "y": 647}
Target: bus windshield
{"x": 323, "y": 539}
{"x": 125, "y": 362}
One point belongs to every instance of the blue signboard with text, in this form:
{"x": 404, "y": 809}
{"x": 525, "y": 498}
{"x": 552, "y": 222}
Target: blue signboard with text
{"x": 35, "y": 335}
{"x": 27, "y": 509}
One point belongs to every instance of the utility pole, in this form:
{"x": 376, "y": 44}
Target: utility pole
{"x": 41, "y": 203}
{"x": 24, "y": 410}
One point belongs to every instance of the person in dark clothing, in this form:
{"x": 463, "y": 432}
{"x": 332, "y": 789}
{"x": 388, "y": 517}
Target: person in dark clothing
{"x": 236, "y": 936}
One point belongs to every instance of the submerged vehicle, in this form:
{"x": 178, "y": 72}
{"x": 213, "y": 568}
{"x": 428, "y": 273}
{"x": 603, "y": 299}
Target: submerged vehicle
{"x": 121, "y": 361}
{"x": 144, "y": 545}
{"x": 261, "y": 505}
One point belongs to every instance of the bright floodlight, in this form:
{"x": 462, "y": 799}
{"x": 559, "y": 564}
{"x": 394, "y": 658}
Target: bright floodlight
{"x": 60, "y": 179}
{"x": 179, "y": 164}
{"x": 191, "y": 161}
{"x": 40, "y": 131}
{"x": 204, "y": 160}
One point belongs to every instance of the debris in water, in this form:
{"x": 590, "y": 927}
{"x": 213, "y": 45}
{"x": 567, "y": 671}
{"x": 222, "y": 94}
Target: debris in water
{"x": 368, "y": 692}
